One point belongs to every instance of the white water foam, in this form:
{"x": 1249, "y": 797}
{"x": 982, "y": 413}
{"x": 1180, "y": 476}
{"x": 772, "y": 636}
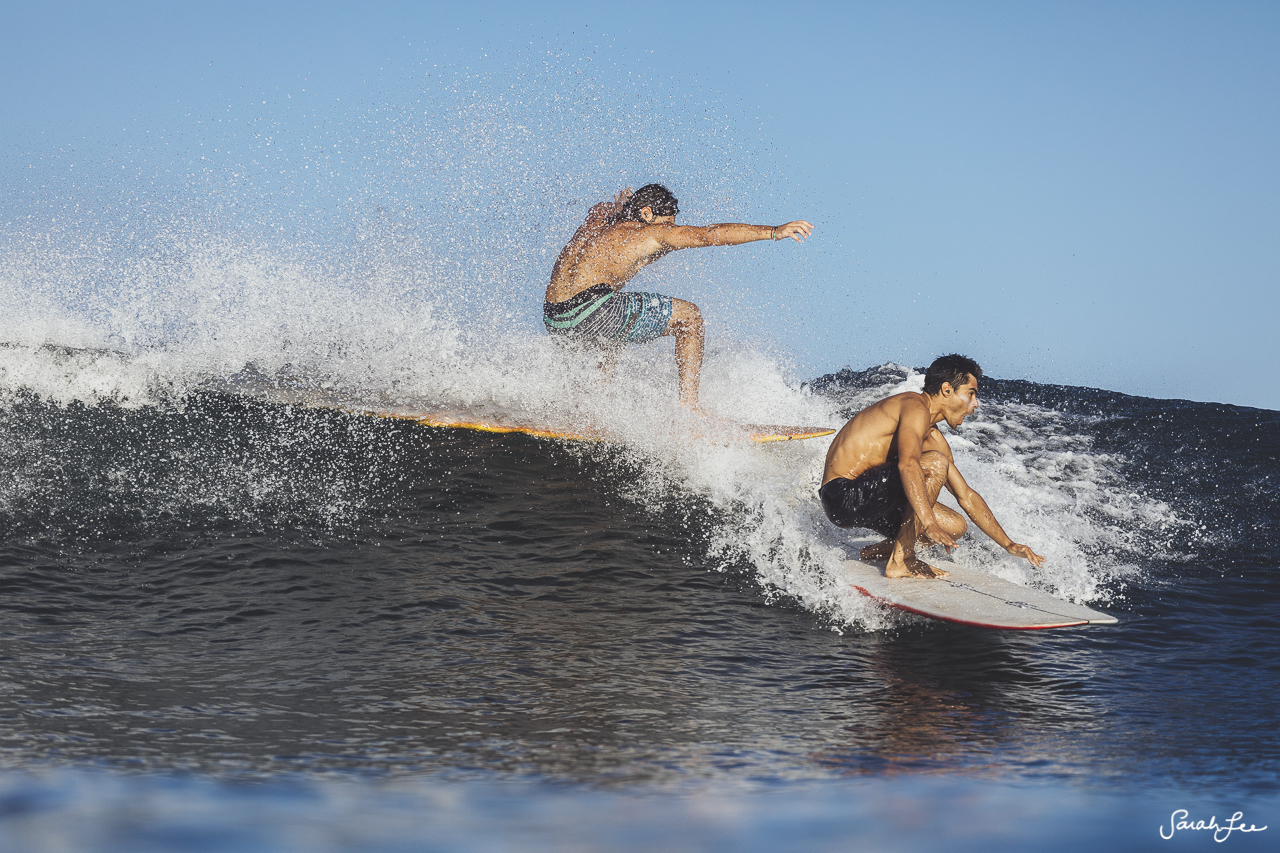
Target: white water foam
{"x": 1044, "y": 482}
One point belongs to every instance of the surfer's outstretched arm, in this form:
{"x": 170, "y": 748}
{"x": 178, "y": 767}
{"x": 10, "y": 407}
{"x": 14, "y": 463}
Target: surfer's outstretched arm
{"x": 903, "y": 561}
{"x": 975, "y": 506}
{"x": 923, "y": 470}
{"x": 913, "y": 426}
{"x": 674, "y": 237}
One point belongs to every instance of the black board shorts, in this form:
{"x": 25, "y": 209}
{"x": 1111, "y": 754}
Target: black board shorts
{"x": 875, "y": 501}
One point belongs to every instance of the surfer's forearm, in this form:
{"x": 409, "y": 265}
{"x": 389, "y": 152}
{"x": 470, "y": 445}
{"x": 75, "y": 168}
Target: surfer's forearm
{"x": 976, "y": 508}
{"x": 749, "y": 233}
{"x": 736, "y": 233}
{"x": 726, "y": 234}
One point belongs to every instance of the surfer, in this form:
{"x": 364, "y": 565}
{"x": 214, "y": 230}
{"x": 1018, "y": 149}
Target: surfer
{"x": 618, "y": 239}
{"x": 887, "y": 466}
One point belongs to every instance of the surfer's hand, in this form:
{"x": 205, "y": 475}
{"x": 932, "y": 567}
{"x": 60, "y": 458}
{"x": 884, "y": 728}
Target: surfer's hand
{"x": 938, "y": 536}
{"x": 1026, "y": 553}
{"x": 623, "y": 195}
{"x": 794, "y": 230}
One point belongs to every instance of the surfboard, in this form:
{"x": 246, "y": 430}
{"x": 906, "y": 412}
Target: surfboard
{"x": 971, "y": 597}
{"x": 498, "y": 423}
{"x": 452, "y": 419}
{"x": 566, "y": 427}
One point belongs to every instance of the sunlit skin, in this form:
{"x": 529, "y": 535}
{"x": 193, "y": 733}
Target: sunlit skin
{"x": 904, "y": 427}
{"x": 606, "y": 252}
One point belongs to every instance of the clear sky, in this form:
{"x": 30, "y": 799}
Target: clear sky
{"x": 1079, "y": 193}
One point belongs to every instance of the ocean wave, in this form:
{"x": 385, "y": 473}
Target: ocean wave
{"x": 390, "y": 328}
{"x": 759, "y": 514}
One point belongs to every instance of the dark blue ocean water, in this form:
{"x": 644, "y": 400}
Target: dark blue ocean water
{"x": 234, "y": 625}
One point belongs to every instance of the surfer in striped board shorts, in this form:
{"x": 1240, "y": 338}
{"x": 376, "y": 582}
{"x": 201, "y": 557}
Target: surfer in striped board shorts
{"x": 887, "y": 466}
{"x": 618, "y": 239}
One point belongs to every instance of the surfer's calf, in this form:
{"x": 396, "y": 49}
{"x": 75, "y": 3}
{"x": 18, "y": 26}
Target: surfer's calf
{"x": 887, "y": 466}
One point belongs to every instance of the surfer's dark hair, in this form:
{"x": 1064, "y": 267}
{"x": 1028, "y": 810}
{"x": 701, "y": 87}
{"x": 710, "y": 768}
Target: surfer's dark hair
{"x": 656, "y": 197}
{"x": 954, "y": 369}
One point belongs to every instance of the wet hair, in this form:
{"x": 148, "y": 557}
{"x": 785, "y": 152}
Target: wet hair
{"x": 656, "y": 197}
{"x": 953, "y": 368}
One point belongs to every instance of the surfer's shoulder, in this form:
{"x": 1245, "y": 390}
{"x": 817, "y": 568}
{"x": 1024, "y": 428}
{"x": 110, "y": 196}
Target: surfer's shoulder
{"x": 900, "y": 404}
{"x": 622, "y": 228}
{"x": 633, "y": 236}
{"x": 908, "y": 411}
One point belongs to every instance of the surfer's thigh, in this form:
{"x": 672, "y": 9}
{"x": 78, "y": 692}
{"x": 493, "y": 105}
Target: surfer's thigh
{"x": 685, "y": 317}
{"x": 874, "y": 501}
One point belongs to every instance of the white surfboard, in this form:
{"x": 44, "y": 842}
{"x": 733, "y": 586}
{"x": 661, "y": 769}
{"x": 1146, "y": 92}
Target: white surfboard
{"x": 970, "y": 597}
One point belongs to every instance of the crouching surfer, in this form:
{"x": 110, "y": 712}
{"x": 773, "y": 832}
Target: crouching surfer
{"x": 618, "y": 239}
{"x": 887, "y": 466}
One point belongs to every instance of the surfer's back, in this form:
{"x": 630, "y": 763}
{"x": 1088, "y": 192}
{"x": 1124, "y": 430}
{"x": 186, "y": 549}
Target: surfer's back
{"x": 602, "y": 251}
{"x": 870, "y": 438}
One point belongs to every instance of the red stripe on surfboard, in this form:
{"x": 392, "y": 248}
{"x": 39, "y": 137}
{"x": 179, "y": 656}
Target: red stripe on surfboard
{"x": 894, "y": 604}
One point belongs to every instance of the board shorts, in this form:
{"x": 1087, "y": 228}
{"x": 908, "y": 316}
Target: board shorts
{"x": 875, "y": 500}
{"x": 602, "y": 316}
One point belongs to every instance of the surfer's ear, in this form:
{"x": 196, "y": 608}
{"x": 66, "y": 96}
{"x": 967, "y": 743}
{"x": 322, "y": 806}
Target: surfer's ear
{"x": 646, "y": 213}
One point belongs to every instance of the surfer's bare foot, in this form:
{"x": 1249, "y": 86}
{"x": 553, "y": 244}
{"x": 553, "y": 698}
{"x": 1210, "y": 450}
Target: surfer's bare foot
{"x": 913, "y": 567}
{"x": 879, "y": 551}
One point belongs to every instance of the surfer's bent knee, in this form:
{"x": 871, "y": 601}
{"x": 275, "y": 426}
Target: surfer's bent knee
{"x": 685, "y": 316}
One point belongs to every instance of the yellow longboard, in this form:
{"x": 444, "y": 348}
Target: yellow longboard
{"x": 252, "y": 384}
{"x": 461, "y": 420}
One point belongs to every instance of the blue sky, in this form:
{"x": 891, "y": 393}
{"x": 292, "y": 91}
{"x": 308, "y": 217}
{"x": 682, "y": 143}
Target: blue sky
{"x": 1078, "y": 193}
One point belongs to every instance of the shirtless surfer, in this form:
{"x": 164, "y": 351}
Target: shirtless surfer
{"x": 618, "y": 239}
{"x": 888, "y": 464}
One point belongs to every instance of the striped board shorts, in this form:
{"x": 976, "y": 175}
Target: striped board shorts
{"x": 602, "y": 316}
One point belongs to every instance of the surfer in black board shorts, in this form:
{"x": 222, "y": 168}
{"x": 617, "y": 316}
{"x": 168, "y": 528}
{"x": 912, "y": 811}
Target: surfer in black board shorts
{"x": 618, "y": 239}
{"x": 887, "y": 466}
